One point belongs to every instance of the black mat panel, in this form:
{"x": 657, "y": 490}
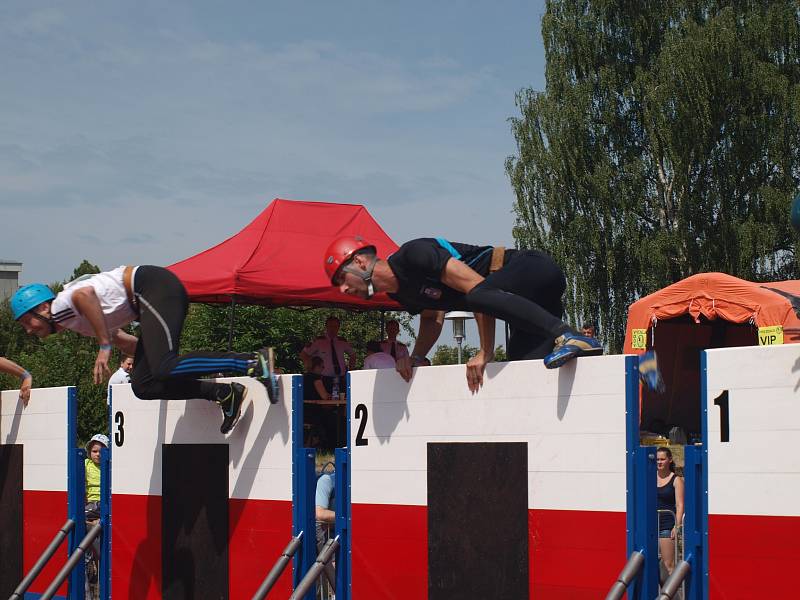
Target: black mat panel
{"x": 10, "y": 518}
{"x": 478, "y": 521}
{"x": 194, "y": 517}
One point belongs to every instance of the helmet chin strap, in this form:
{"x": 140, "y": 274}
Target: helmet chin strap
{"x": 365, "y": 275}
{"x": 48, "y": 320}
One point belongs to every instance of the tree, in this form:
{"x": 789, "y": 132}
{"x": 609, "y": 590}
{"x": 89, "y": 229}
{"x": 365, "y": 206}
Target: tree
{"x": 666, "y": 143}
{"x": 448, "y": 355}
{"x": 85, "y": 268}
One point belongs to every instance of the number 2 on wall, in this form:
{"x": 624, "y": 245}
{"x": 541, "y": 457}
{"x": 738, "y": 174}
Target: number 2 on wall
{"x": 361, "y": 413}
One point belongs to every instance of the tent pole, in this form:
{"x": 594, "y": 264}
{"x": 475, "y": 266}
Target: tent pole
{"x": 232, "y": 320}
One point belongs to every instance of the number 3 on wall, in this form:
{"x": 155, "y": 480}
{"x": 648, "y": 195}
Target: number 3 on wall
{"x": 119, "y": 435}
{"x": 361, "y": 413}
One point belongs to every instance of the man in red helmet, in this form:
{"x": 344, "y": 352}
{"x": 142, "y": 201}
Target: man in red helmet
{"x": 432, "y": 275}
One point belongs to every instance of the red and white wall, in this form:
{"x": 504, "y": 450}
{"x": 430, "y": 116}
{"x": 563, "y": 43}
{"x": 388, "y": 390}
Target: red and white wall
{"x": 41, "y": 428}
{"x": 573, "y": 422}
{"x": 754, "y": 476}
{"x": 259, "y": 485}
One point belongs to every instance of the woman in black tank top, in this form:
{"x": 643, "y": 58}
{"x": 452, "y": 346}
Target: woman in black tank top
{"x": 670, "y": 498}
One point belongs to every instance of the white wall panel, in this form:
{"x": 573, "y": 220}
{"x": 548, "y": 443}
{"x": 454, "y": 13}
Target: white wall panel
{"x": 260, "y": 445}
{"x": 42, "y": 429}
{"x": 757, "y": 472}
{"x": 572, "y": 418}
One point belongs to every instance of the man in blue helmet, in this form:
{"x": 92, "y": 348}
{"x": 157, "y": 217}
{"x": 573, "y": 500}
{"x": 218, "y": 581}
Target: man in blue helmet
{"x": 100, "y": 305}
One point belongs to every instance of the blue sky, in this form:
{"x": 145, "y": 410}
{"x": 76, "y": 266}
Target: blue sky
{"x": 145, "y": 132}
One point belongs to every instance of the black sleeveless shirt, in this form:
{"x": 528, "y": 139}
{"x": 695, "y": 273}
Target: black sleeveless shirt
{"x": 666, "y": 501}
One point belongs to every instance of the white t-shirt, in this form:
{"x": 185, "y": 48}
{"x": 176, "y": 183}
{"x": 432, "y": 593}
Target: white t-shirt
{"x": 110, "y": 291}
{"x": 379, "y": 360}
{"x": 119, "y": 376}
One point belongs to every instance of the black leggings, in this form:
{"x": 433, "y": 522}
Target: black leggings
{"x": 158, "y": 370}
{"x": 526, "y": 294}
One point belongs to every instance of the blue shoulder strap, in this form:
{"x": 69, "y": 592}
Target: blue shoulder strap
{"x": 449, "y": 247}
{"x": 457, "y": 255}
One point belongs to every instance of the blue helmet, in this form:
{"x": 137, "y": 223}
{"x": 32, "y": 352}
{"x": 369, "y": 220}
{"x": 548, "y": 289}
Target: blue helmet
{"x": 28, "y": 297}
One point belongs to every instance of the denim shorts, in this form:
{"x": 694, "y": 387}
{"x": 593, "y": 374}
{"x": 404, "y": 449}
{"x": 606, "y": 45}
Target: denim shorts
{"x": 665, "y": 533}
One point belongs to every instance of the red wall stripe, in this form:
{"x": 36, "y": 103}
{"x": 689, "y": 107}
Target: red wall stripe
{"x": 43, "y": 514}
{"x": 753, "y": 556}
{"x": 573, "y": 554}
{"x": 259, "y": 531}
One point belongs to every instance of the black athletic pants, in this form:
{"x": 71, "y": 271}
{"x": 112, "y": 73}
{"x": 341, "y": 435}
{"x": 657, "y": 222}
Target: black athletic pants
{"x": 158, "y": 370}
{"x": 526, "y": 293}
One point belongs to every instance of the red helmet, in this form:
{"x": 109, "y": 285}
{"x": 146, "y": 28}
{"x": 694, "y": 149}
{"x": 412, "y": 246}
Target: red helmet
{"x": 341, "y": 252}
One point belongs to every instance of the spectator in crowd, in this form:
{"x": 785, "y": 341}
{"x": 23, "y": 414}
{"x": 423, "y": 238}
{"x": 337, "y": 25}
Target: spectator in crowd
{"x": 589, "y": 330}
{"x": 321, "y": 420}
{"x": 92, "y": 464}
{"x": 123, "y": 374}
{"x": 25, "y": 380}
{"x": 332, "y": 349}
{"x": 313, "y": 386}
{"x": 390, "y": 345}
{"x": 92, "y": 511}
{"x": 377, "y": 358}
{"x": 324, "y": 500}
{"x": 670, "y": 506}
{"x": 325, "y": 515}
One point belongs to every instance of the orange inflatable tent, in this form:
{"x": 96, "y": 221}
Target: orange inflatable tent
{"x": 709, "y": 310}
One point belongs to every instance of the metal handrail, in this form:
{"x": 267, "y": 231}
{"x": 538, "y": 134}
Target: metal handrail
{"x": 42, "y": 560}
{"x": 675, "y": 581}
{"x": 626, "y": 576}
{"x": 74, "y": 559}
{"x": 279, "y": 567}
{"x": 323, "y": 558}
{"x": 330, "y": 572}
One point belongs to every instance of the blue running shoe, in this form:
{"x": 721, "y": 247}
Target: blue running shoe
{"x": 263, "y": 370}
{"x": 649, "y": 372}
{"x": 569, "y": 346}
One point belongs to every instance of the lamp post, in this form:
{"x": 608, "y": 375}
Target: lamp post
{"x": 459, "y": 318}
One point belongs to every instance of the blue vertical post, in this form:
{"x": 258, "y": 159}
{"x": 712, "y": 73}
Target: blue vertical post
{"x": 303, "y": 489}
{"x": 646, "y": 523}
{"x": 631, "y": 444}
{"x": 76, "y": 501}
{"x": 105, "y": 520}
{"x": 695, "y": 530}
{"x": 343, "y": 523}
{"x": 695, "y": 534}
{"x": 641, "y": 515}
{"x": 76, "y": 495}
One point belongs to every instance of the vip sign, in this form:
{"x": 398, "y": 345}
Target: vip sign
{"x": 770, "y": 336}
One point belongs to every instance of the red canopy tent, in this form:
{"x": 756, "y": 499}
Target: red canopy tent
{"x": 277, "y": 259}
